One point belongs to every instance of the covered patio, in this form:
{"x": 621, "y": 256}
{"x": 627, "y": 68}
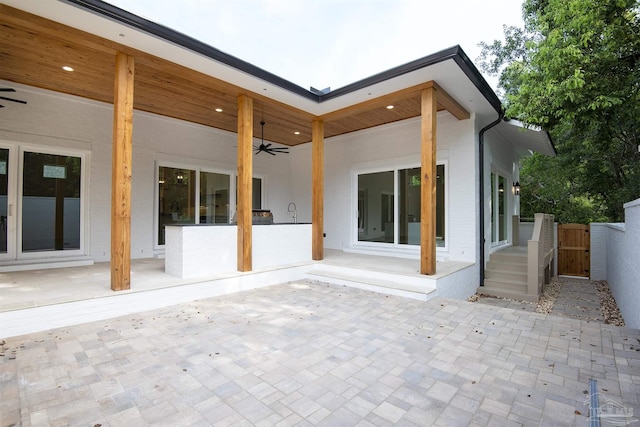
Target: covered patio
{"x": 121, "y": 59}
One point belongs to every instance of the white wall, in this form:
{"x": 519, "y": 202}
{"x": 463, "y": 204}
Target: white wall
{"x": 616, "y": 259}
{"x": 57, "y": 120}
{"x": 499, "y": 157}
{"x": 393, "y": 145}
{"x": 51, "y": 119}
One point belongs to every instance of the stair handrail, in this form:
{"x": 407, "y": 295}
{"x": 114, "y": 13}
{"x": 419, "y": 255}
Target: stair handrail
{"x": 539, "y": 252}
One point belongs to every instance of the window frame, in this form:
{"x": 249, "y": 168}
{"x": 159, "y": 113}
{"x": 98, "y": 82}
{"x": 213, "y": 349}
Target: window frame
{"x": 188, "y": 166}
{"x": 395, "y": 246}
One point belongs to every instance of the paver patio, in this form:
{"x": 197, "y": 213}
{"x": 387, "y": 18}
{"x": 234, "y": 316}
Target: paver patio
{"x": 309, "y": 353}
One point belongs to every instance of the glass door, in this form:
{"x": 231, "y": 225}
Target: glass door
{"x": 41, "y": 203}
{"x": 498, "y": 209}
{"x": 389, "y": 207}
{"x": 50, "y": 203}
{"x": 5, "y": 205}
{"x": 176, "y": 201}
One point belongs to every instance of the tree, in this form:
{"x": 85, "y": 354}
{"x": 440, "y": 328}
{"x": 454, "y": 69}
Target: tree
{"x": 574, "y": 70}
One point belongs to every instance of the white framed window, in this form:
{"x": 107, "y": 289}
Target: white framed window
{"x": 389, "y": 207}
{"x": 188, "y": 194}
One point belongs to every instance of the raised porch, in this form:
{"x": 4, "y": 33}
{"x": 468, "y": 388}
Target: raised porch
{"x": 37, "y": 300}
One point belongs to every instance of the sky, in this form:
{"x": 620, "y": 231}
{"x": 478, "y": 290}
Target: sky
{"x": 332, "y": 43}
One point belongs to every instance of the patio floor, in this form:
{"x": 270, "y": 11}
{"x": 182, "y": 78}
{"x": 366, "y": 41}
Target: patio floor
{"x": 310, "y": 353}
{"x": 36, "y": 300}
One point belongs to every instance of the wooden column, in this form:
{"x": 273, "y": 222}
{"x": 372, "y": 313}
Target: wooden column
{"x": 429, "y": 105}
{"x": 317, "y": 183}
{"x": 245, "y": 172}
{"x": 121, "y": 173}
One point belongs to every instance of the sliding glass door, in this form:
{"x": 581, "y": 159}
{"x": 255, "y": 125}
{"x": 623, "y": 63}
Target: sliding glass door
{"x": 196, "y": 196}
{"x": 41, "y": 203}
{"x": 51, "y": 202}
{"x": 4, "y": 200}
{"x": 389, "y": 207}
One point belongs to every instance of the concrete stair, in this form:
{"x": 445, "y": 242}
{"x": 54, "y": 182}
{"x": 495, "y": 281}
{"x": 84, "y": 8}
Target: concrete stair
{"x": 506, "y": 275}
{"x": 406, "y": 286}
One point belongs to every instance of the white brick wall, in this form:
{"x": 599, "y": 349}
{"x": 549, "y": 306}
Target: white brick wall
{"x": 394, "y": 144}
{"x": 615, "y": 257}
{"x": 64, "y": 121}
{"x": 55, "y": 120}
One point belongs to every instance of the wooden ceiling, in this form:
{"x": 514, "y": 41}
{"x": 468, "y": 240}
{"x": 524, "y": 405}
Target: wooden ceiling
{"x": 33, "y": 51}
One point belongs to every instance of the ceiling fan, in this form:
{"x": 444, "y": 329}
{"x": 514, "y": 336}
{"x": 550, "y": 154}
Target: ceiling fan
{"x": 268, "y": 148}
{"x": 10, "y": 99}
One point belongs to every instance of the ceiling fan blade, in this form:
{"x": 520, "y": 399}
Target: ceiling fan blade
{"x": 13, "y": 100}
{"x": 7, "y": 89}
{"x": 1, "y": 106}
{"x": 269, "y": 151}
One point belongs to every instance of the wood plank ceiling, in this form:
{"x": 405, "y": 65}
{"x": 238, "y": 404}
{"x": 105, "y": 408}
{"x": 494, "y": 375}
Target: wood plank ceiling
{"x": 33, "y": 51}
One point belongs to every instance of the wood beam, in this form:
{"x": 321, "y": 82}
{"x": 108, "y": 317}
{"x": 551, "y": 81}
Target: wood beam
{"x": 429, "y": 102}
{"x": 444, "y": 102}
{"x": 447, "y": 102}
{"x": 121, "y": 173}
{"x": 245, "y": 173}
{"x": 317, "y": 202}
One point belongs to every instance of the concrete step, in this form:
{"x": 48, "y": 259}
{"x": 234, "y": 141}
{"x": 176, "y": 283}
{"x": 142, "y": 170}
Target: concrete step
{"x": 497, "y": 272}
{"x": 507, "y": 266}
{"x": 508, "y": 257}
{"x": 506, "y": 285}
{"x": 495, "y": 289}
{"x": 385, "y": 283}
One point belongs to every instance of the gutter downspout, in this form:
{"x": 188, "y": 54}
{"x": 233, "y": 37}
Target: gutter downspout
{"x": 481, "y": 168}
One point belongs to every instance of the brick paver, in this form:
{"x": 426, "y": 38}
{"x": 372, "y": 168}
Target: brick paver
{"x": 318, "y": 354}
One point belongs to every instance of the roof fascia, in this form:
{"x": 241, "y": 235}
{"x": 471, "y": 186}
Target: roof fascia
{"x": 455, "y": 52}
{"x": 122, "y": 16}
{"x": 165, "y": 33}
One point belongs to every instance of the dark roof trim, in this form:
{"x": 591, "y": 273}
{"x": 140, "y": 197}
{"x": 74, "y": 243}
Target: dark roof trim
{"x": 476, "y": 78}
{"x": 456, "y": 53}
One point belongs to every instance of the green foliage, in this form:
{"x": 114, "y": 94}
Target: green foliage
{"x": 574, "y": 70}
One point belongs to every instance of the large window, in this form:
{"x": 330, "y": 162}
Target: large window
{"x": 389, "y": 206}
{"x": 194, "y": 196}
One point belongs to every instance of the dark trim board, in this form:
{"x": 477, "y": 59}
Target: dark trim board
{"x": 455, "y": 53}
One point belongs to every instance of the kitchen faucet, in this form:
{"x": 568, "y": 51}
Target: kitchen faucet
{"x": 293, "y": 212}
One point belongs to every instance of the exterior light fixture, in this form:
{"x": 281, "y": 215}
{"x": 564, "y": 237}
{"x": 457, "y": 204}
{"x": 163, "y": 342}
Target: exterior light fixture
{"x": 516, "y": 188}
{"x": 390, "y": 107}
{"x": 296, "y": 133}
{"x": 67, "y": 68}
{"x": 219, "y": 110}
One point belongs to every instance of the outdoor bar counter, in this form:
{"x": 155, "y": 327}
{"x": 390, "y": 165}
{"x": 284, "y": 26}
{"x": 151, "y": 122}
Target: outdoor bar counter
{"x": 210, "y": 249}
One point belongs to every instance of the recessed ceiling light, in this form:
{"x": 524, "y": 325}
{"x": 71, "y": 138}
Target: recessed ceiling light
{"x": 67, "y": 68}
{"x": 296, "y": 133}
{"x": 390, "y": 107}
{"x": 219, "y": 110}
